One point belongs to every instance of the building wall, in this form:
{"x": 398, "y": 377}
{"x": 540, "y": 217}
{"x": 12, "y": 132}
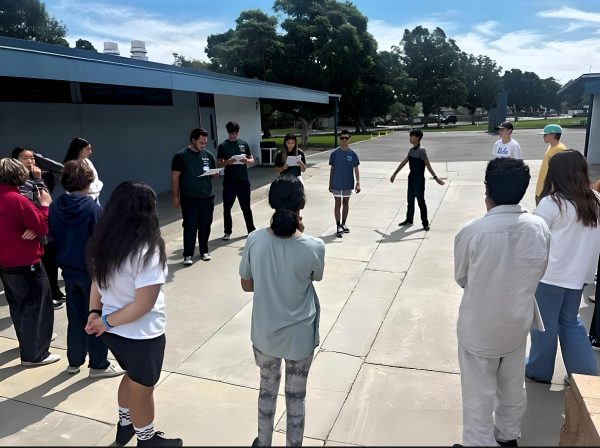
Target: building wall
{"x": 593, "y": 155}
{"x": 246, "y": 111}
{"x": 128, "y": 142}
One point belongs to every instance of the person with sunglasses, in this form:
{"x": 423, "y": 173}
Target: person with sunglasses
{"x": 344, "y": 166}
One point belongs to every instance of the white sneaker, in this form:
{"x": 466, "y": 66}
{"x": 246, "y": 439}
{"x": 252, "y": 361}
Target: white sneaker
{"x": 109, "y": 372}
{"x": 72, "y": 370}
{"x": 206, "y": 257}
{"x": 226, "y": 237}
{"x": 187, "y": 261}
{"x": 48, "y": 360}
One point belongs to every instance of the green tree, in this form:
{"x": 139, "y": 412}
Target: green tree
{"x": 550, "y": 97}
{"x": 326, "y": 46}
{"x": 182, "y": 61}
{"x": 28, "y": 19}
{"x": 482, "y": 78}
{"x": 85, "y": 45}
{"x": 525, "y": 91}
{"x": 249, "y": 49}
{"x": 435, "y": 63}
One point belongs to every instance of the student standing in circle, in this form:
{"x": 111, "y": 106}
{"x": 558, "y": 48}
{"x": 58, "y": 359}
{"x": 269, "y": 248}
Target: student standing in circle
{"x": 234, "y": 154}
{"x": 127, "y": 306}
{"x": 417, "y": 162}
{"x": 344, "y": 166}
{"x": 506, "y": 146}
{"x": 290, "y": 149}
{"x": 279, "y": 265}
{"x": 193, "y": 193}
{"x": 80, "y": 148}
{"x": 572, "y": 210}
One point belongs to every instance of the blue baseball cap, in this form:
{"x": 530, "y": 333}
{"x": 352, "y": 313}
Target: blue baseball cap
{"x": 551, "y": 129}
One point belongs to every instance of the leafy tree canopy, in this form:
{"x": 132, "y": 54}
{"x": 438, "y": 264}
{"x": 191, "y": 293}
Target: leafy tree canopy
{"x": 28, "y": 19}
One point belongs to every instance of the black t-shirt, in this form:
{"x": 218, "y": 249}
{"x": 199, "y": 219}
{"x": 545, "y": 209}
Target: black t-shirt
{"x": 226, "y": 150}
{"x": 191, "y": 165}
{"x": 417, "y": 157}
{"x": 295, "y": 170}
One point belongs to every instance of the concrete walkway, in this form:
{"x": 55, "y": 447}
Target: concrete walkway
{"x": 386, "y": 372}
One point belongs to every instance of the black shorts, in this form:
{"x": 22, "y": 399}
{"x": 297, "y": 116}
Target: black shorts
{"x": 142, "y": 359}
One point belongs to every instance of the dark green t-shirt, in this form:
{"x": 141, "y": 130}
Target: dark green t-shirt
{"x": 228, "y": 149}
{"x": 191, "y": 165}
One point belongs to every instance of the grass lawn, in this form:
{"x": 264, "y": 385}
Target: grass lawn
{"x": 320, "y": 141}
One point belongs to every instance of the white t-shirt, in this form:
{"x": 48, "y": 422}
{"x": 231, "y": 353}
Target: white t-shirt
{"x": 96, "y": 186}
{"x": 510, "y": 149}
{"x": 120, "y": 291}
{"x": 574, "y": 247}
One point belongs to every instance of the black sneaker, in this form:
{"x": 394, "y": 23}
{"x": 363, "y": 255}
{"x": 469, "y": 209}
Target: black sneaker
{"x": 58, "y": 305}
{"x": 124, "y": 434}
{"x": 158, "y": 440}
{"x": 595, "y": 343}
{"x": 426, "y": 228}
{"x": 512, "y": 442}
{"x": 345, "y": 228}
{"x": 406, "y": 222}
{"x": 340, "y": 231}
{"x": 255, "y": 443}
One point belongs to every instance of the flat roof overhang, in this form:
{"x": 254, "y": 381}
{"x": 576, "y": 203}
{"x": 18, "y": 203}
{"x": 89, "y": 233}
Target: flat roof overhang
{"x": 25, "y": 59}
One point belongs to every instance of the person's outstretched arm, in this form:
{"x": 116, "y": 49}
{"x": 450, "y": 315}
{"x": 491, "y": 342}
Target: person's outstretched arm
{"x": 437, "y": 179}
{"x": 404, "y": 162}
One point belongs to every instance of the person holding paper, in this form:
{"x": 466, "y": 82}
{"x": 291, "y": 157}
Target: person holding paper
{"x": 291, "y": 159}
{"x": 234, "y": 154}
{"x": 192, "y": 191}
{"x": 498, "y": 260}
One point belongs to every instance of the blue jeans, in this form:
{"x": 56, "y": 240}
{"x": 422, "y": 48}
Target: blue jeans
{"x": 560, "y": 312}
{"x": 79, "y": 343}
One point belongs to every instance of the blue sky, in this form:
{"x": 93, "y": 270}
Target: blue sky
{"x": 558, "y": 38}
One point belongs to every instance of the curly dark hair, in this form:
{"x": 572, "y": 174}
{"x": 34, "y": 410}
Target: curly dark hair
{"x": 129, "y": 224}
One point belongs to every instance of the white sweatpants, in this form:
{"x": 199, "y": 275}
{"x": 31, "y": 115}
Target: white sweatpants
{"x": 494, "y": 397}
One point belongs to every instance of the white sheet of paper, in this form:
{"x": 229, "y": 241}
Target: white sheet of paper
{"x": 210, "y": 172}
{"x": 238, "y": 157}
{"x": 293, "y": 160}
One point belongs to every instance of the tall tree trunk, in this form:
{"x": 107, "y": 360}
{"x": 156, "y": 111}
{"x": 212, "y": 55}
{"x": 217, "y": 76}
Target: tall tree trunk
{"x": 306, "y": 126}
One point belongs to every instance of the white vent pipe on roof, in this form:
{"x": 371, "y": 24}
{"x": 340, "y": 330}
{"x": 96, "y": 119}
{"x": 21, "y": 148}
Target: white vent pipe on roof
{"x": 111, "y": 48}
{"x": 138, "y": 50}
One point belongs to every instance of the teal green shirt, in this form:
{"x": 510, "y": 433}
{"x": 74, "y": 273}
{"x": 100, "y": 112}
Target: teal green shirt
{"x": 228, "y": 149}
{"x": 191, "y": 165}
{"x": 285, "y": 309}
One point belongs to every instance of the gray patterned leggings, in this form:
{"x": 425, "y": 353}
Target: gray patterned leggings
{"x": 296, "y": 374}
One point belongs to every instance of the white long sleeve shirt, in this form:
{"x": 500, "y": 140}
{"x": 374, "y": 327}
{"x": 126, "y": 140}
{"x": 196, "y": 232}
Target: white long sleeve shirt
{"x": 499, "y": 260}
{"x": 574, "y": 248}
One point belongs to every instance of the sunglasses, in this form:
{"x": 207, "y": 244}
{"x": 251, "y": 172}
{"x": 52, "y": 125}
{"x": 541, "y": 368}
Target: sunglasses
{"x": 344, "y": 138}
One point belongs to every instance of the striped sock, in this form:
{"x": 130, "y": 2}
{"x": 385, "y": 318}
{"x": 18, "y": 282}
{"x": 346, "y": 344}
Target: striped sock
{"x": 124, "y": 418}
{"x": 146, "y": 432}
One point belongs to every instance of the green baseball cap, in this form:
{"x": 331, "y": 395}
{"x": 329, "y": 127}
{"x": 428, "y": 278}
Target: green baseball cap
{"x": 551, "y": 129}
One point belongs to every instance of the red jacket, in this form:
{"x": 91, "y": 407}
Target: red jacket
{"x": 17, "y": 214}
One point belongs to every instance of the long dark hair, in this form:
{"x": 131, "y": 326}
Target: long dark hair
{"x": 129, "y": 224}
{"x": 77, "y": 144}
{"x": 286, "y": 196}
{"x": 568, "y": 180}
{"x": 284, "y": 153}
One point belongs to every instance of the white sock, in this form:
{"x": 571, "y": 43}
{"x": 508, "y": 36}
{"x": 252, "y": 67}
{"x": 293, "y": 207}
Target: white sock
{"x": 145, "y": 433}
{"x": 124, "y": 418}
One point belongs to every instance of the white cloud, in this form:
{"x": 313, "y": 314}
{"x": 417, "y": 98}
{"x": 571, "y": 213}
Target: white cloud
{"x": 486, "y": 27}
{"x": 571, "y": 13}
{"x": 388, "y": 35}
{"x": 99, "y": 22}
{"x": 530, "y": 51}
